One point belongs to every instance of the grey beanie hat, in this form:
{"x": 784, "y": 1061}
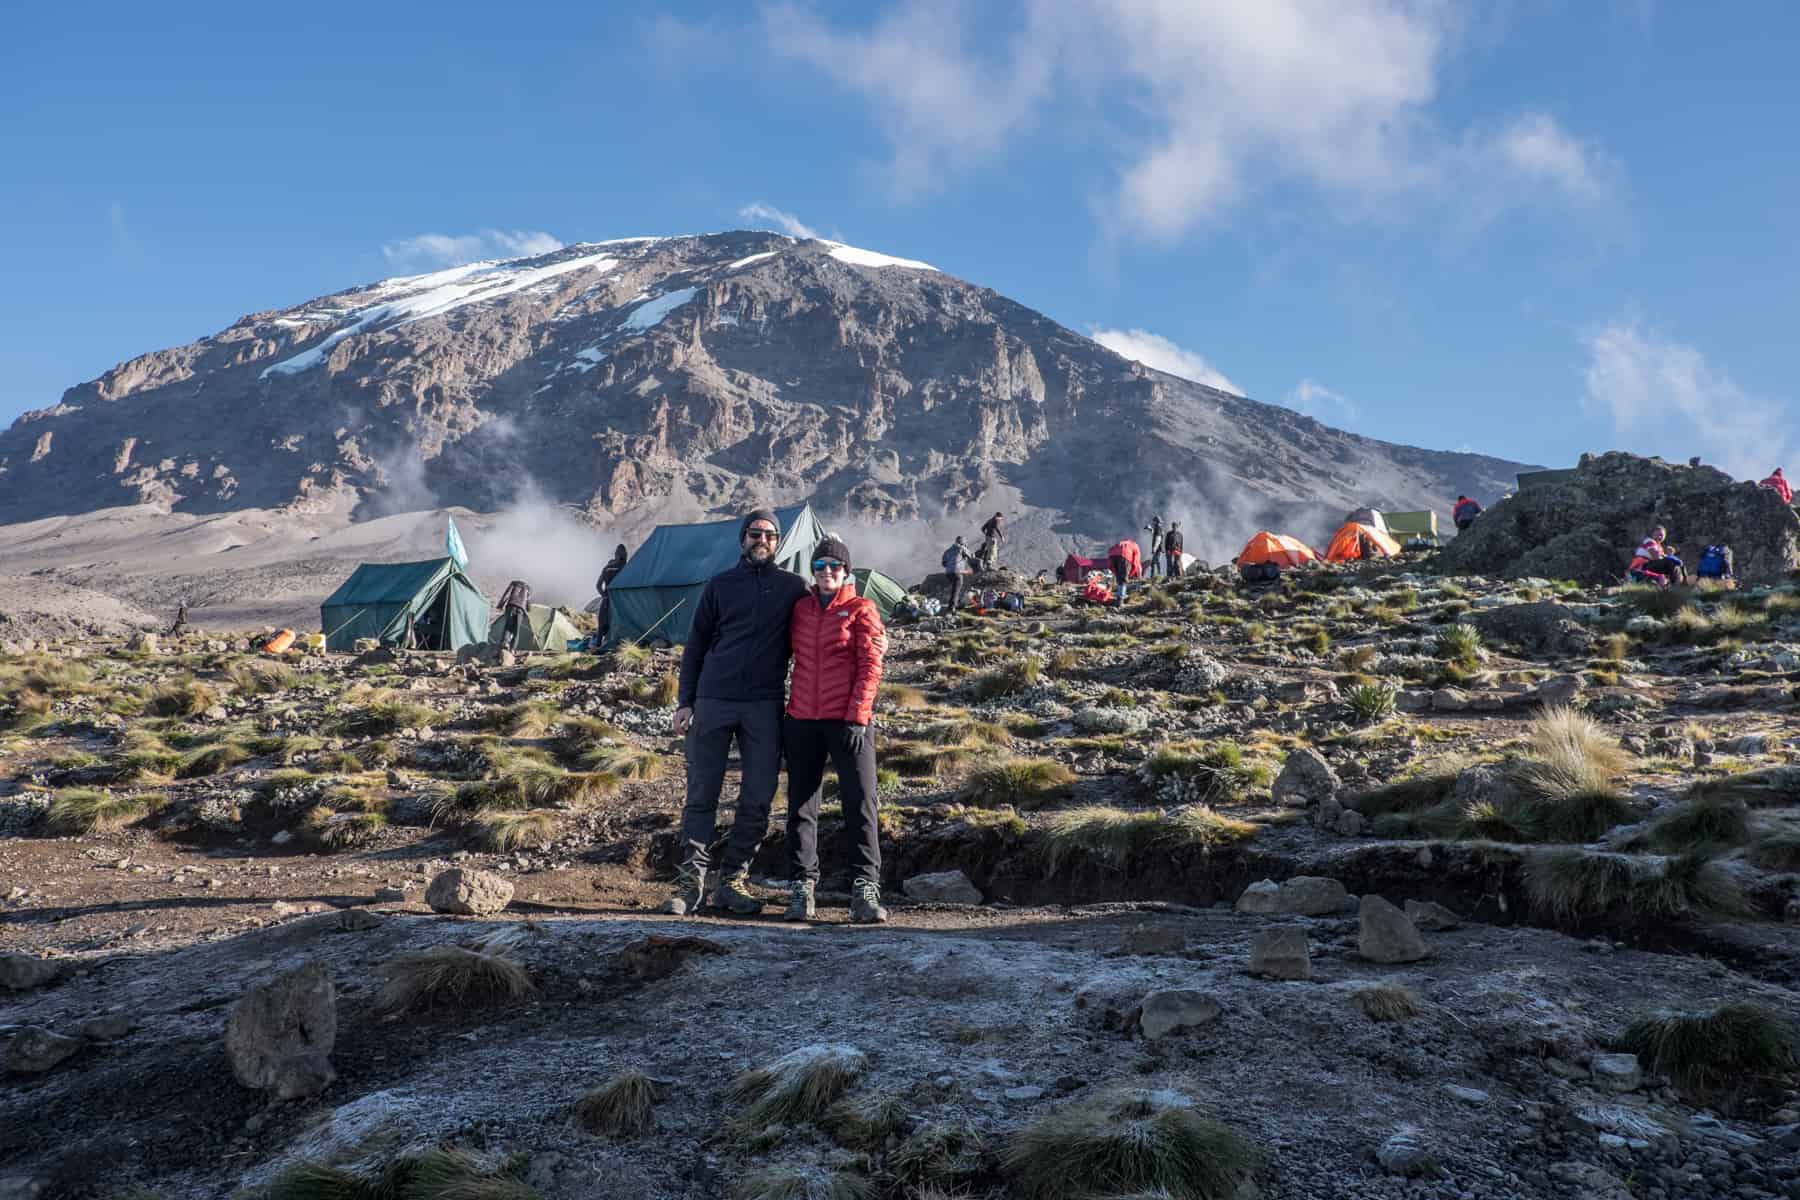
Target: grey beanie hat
{"x": 757, "y": 514}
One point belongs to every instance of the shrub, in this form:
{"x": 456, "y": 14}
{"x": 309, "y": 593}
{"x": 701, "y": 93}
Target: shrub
{"x": 1707, "y": 1051}
{"x": 625, "y": 1106}
{"x": 1133, "y": 1141}
{"x": 1018, "y": 782}
{"x": 455, "y": 975}
{"x": 1007, "y": 679}
{"x": 78, "y": 811}
{"x": 1370, "y": 702}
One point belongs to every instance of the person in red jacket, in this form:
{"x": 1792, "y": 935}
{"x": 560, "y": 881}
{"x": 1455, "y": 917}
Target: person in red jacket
{"x": 1780, "y": 486}
{"x": 838, "y": 642}
{"x": 1127, "y": 562}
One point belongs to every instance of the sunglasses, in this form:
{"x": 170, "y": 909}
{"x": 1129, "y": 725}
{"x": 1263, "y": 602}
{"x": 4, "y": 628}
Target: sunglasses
{"x": 827, "y": 564}
{"x": 762, "y": 535}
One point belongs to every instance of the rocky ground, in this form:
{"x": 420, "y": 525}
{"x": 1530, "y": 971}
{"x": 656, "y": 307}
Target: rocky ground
{"x": 1532, "y": 864}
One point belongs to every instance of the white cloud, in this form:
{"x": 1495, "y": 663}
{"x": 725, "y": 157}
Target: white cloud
{"x": 787, "y": 222}
{"x": 1159, "y": 353}
{"x": 1321, "y": 403}
{"x": 445, "y": 250}
{"x": 1196, "y": 102}
{"x": 1665, "y": 394}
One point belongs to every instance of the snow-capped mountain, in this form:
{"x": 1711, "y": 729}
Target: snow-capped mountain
{"x": 624, "y": 376}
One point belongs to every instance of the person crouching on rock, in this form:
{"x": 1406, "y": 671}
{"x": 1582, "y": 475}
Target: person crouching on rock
{"x": 838, "y": 643}
{"x": 1652, "y": 559}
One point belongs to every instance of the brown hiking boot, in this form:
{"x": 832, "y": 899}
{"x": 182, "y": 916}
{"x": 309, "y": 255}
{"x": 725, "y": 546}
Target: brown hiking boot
{"x": 734, "y": 894}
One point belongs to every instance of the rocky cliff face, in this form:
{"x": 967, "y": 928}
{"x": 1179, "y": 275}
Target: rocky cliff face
{"x": 1585, "y": 528}
{"x": 686, "y": 374}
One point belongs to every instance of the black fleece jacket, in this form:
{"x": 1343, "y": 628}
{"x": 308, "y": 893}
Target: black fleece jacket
{"x": 737, "y": 648}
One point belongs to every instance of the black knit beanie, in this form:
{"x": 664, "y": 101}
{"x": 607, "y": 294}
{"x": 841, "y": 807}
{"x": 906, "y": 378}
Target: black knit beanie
{"x": 756, "y": 514}
{"x": 832, "y": 547}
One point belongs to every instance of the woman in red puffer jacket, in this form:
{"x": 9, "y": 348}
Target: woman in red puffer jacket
{"x": 838, "y": 642}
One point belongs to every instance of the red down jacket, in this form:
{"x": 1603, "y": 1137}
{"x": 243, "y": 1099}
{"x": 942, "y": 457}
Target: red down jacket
{"x": 837, "y": 658}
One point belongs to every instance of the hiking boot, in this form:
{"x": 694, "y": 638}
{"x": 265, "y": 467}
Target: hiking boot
{"x": 690, "y": 891}
{"x": 800, "y": 901}
{"x": 735, "y": 894}
{"x": 865, "y": 903}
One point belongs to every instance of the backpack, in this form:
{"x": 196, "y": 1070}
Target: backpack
{"x": 1715, "y": 563}
{"x": 953, "y": 560}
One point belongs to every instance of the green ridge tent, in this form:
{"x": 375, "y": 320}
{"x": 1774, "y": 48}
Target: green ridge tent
{"x": 544, "y": 628}
{"x": 381, "y": 600}
{"x": 656, "y": 592}
{"x": 883, "y": 591}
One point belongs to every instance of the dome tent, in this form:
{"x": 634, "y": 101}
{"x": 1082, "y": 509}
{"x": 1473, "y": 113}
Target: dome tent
{"x": 1357, "y": 541}
{"x": 428, "y": 605}
{"x": 1278, "y": 548}
{"x": 544, "y": 628}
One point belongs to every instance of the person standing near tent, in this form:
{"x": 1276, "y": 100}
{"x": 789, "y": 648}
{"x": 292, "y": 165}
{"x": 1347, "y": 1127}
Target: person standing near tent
{"x": 733, "y": 683}
{"x": 1155, "y": 530}
{"x": 839, "y": 643}
{"x": 1127, "y": 563}
{"x": 1173, "y": 546}
{"x": 603, "y": 585}
{"x": 956, "y": 559}
{"x": 515, "y": 603}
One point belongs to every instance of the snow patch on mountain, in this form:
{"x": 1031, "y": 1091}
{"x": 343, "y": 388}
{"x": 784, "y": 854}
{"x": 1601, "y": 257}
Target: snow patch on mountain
{"x": 858, "y": 257}
{"x": 650, "y": 313}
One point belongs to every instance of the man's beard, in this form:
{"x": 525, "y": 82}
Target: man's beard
{"x": 759, "y": 552}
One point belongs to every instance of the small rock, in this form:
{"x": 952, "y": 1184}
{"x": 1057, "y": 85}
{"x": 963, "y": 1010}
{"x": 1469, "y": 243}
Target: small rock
{"x": 1404, "y": 1153}
{"x": 389, "y": 895}
{"x": 105, "y": 1029}
{"x": 1350, "y": 823}
{"x": 1617, "y": 1072}
{"x": 22, "y": 972}
{"x": 357, "y": 920}
{"x": 34, "y": 1050}
{"x": 1560, "y": 689}
{"x": 1281, "y": 954}
{"x": 1024, "y": 1093}
{"x": 1263, "y": 896}
{"x": 278, "y": 1035}
{"x": 467, "y": 892}
{"x": 941, "y": 887}
{"x": 1305, "y": 779}
{"x": 1385, "y": 935}
{"x": 1171, "y": 1009}
{"x": 1449, "y": 700}
{"x": 1429, "y": 914}
{"x": 1467, "y": 1095}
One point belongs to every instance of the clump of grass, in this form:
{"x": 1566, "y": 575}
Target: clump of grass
{"x": 143, "y": 757}
{"x": 1131, "y": 1141}
{"x": 325, "y": 828}
{"x": 1118, "y": 835}
{"x": 801, "y": 1183}
{"x": 182, "y": 697}
{"x": 1370, "y": 702}
{"x": 1770, "y": 787}
{"x": 1777, "y": 850}
{"x": 1576, "y": 884}
{"x": 624, "y": 1106}
{"x": 1569, "y": 774}
{"x": 1158, "y": 601}
{"x": 901, "y": 696}
{"x": 527, "y": 719}
{"x": 914, "y": 760}
{"x": 1459, "y": 644}
{"x": 211, "y": 760}
{"x": 439, "y": 1174}
{"x": 1614, "y": 647}
{"x": 1387, "y": 1002}
{"x": 625, "y": 761}
{"x": 1007, "y": 679}
{"x": 381, "y": 711}
{"x": 455, "y": 975}
{"x": 1704, "y": 1052}
{"x": 868, "y": 1124}
{"x": 538, "y": 788}
{"x": 660, "y": 692}
{"x": 1712, "y": 822}
{"x": 1662, "y": 603}
{"x": 937, "y": 1156}
{"x": 503, "y": 831}
{"x": 261, "y": 678}
{"x": 968, "y": 732}
{"x": 1319, "y": 642}
{"x": 798, "y": 1086}
{"x": 80, "y": 811}
{"x": 1065, "y": 662}
{"x": 1410, "y": 795}
{"x": 1017, "y": 782}
{"x": 1220, "y": 765}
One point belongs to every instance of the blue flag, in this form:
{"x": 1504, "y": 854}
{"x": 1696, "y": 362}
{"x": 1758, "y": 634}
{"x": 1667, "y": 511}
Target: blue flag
{"x": 453, "y": 545}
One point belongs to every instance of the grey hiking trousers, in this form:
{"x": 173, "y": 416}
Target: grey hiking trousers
{"x": 756, "y": 726}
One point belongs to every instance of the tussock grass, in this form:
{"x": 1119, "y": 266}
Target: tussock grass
{"x": 798, "y": 1086}
{"x": 1007, "y": 679}
{"x": 968, "y": 732}
{"x": 377, "y": 712}
{"x": 1706, "y": 1052}
{"x": 1770, "y": 787}
{"x": 901, "y": 696}
{"x": 439, "y": 1174}
{"x": 527, "y": 719}
{"x": 868, "y": 1123}
{"x": 1714, "y": 822}
{"x": 211, "y": 760}
{"x": 261, "y": 678}
{"x": 1614, "y": 647}
{"x": 1662, "y": 603}
{"x": 1220, "y": 765}
{"x": 937, "y": 1156}
{"x": 660, "y": 692}
{"x": 1410, "y": 795}
{"x": 143, "y": 757}
{"x": 181, "y": 697}
{"x": 1370, "y": 702}
{"x": 1010, "y": 824}
{"x": 1016, "y": 782}
{"x": 1387, "y": 1002}
{"x": 460, "y": 976}
{"x": 1131, "y": 1141}
{"x": 626, "y": 658}
{"x": 624, "y": 1106}
{"x": 914, "y": 760}
{"x": 801, "y": 1183}
{"x": 1777, "y": 850}
{"x": 1118, "y": 835}
{"x": 1575, "y": 884}
{"x": 503, "y": 831}
{"x": 325, "y": 828}
{"x": 1158, "y": 601}
{"x": 81, "y": 811}
{"x": 625, "y": 761}
{"x": 540, "y": 788}
{"x": 1570, "y": 772}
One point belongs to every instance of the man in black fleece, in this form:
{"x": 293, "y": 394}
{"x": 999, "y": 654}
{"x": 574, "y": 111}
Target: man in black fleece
{"x": 733, "y": 685}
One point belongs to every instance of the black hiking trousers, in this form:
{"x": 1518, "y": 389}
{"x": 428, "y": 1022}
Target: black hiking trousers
{"x": 808, "y": 745}
{"x": 956, "y": 586}
{"x": 756, "y": 727}
{"x": 510, "y": 634}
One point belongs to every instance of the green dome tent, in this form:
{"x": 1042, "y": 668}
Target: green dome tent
{"x": 654, "y": 596}
{"x": 432, "y": 600}
{"x": 873, "y": 585}
{"x": 544, "y": 628}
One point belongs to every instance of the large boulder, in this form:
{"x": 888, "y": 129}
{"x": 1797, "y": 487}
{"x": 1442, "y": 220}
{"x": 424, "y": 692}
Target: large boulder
{"x": 34, "y": 1050}
{"x": 279, "y": 1036}
{"x": 1385, "y": 935}
{"x": 1305, "y": 779}
{"x": 1281, "y": 954}
{"x": 942, "y": 887}
{"x": 464, "y": 892}
{"x": 1584, "y": 525}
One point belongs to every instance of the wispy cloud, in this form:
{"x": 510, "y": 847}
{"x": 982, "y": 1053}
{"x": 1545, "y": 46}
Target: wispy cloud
{"x": 1198, "y": 103}
{"x": 121, "y": 233}
{"x": 1665, "y": 395}
{"x": 448, "y": 250}
{"x": 1322, "y": 404}
{"x": 1159, "y": 353}
{"x": 787, "y": 222}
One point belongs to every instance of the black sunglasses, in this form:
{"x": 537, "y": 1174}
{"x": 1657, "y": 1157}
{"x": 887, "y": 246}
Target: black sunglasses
{"x": 827, "y": 564}
{"x": 762, "y": 535}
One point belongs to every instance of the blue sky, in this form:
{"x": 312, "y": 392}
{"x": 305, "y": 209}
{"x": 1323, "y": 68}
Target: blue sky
{"x": 1528, "y": 228}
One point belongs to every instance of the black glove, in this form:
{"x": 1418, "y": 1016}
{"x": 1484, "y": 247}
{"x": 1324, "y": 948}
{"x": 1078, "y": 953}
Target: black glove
{"x": 856, "y": 737}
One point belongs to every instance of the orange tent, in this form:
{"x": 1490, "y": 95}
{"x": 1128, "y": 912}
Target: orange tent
{"x": 1348, "y": 543}
{"x": 1277, "y": 548}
